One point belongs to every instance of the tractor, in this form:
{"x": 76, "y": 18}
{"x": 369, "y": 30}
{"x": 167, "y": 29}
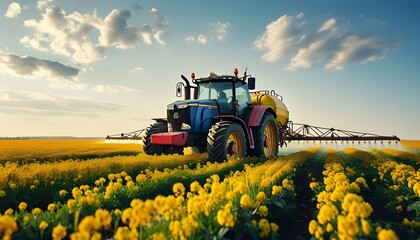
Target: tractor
{"x": 222, "y": 117}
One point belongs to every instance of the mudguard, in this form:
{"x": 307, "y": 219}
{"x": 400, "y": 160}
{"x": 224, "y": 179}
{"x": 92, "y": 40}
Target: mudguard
{"x": 247, "y": 130}
{"x": 254, "y": 114}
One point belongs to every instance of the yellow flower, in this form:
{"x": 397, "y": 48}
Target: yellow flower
{"x": 264, "y": 227}
{"x": 9, "y": 212}
{"x": 276, "y": 190}
{"x": 13, "y": 185}
{"x": 241, "y": 188}
{"x": 36, "y": 211}
{"x": 2, "y": 193}
{"x": 230, "y": 195}
{"x": 158, "y": 236}
{"x": 111, "y": 176}
{"x": 225, "y": 217}
{"x": 104, "y": 217}
{"x": 261, "y": 197}
{"x": 22, "y": 206}
{"x": 26, "y": 219}
{"x": 63, "y": 192}
{"x": 89, "y": 224}
{"x": 124, "y": 233}
{"x": 246, "y": 201}
{"x": 329, "y": 228}
{"x": 43, "y": 225}
{"x": 365, "y": 226}
{"x": 327, "y": 213}
{"x": 274, "y": 227}
{"x": 195, "y": 187}
{"x": 314, "y": 185}
{"x": 8, "y": 226}
{"x": 263, "y": 211}
{"x": 51, "y": 207}
{"x": 141, "y": 178}
{"x": 59, "y": 232}
{"x": 347, "y": 228}
{"x": 387, "y": 234}
{"x": 178, "y": 189}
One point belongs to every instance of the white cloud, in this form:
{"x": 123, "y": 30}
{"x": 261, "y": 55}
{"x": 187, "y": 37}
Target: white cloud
{"x": 330, "y": 24}
{"x": 46, "y": 104}
{"x": 42, "y": 4}
{"x": 112, "y": 89}
{"x": 27, "y": 66}
{"x": 137, "y": 69}
{"x": 218, "y": 32}
{"x": 116, "y": 32}
{"x": 13, "y": 10}
{"x": 277, "y": 38}
{"x": 160, "y": 26}
{"x": 329, "y": 46}
{"x": 358, "y": 49}
{"x": 202, "y": 39}
{"x": 85, "y": 37}
{"x": 300, "y": 15}
{"x": 190, "y": 39}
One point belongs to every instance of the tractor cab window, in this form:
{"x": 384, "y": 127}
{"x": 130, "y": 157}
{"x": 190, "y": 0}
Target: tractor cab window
{"x": 221, "y": 92}
{"x": 243, "y": 97}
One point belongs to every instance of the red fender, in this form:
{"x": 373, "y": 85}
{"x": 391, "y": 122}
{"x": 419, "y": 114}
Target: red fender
{"x": 256, "y": 113}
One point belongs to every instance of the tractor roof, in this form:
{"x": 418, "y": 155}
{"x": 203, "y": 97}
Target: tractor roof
{"x": 217, "y": 78}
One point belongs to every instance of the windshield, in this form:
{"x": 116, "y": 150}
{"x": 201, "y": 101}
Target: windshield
{"x": 210, "y": 90}
{"x": 222, "y": 93}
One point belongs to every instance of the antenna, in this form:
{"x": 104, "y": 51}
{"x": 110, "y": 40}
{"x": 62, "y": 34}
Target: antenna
{"x": 245, "y": 71}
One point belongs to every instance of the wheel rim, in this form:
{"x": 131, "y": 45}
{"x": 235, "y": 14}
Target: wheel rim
{"x": 234, "y": 146}
{"x": 269, "y": 140}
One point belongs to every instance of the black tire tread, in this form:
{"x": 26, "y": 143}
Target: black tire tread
{"x": 258, "y": 134}
{"x": 216, "y": 140}
{"x": 148, "y": 147}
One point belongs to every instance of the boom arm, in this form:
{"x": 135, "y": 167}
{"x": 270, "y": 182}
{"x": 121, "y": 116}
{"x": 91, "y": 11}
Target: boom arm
{"x": 313, "y": 133}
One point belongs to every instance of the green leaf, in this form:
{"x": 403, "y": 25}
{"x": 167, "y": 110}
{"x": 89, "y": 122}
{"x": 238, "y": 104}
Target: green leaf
{"x": 280, "y": 203}
{"x": 222, "y": 232}
{"x": 414, "y": 206}
{"x": 251, "y": 230}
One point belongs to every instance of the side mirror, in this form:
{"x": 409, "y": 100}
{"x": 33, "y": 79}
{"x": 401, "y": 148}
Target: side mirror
{"x": 251, "y": 83}
{"x": 179, "y": 87}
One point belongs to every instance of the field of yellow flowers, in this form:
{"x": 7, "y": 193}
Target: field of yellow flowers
{"x": 84, "y": 189}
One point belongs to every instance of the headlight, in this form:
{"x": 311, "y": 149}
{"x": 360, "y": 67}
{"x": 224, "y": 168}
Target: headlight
{"x": 171, "y": 107}
{"x": 181, "y": 106}
{"x": 170, "y": 129}
{"x": 185, "y": 126}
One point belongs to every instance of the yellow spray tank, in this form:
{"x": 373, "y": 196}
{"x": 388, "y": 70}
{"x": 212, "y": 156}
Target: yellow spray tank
{"x": 273, "y": 100}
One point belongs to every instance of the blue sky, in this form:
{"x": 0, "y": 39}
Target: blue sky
{"x": 97, "y": 67}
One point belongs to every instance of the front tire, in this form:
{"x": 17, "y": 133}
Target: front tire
{"x": 148, "y": 147}
{"x": 226, "y": 141}
{"x": 266, "y": 137}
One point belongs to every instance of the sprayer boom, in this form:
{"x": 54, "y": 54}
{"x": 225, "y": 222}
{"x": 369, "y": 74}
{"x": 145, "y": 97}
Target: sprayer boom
{"x": 134, "y": 135}
{"x": 314, "y": 133}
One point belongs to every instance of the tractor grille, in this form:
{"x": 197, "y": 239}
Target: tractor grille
{"x": 179, "y": 116}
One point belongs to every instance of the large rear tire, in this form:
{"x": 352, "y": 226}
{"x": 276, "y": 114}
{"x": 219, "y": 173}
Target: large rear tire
{"x": 148, "y": 147}
{"x": 226, "y": 141}
{"x": 266, "y": 137}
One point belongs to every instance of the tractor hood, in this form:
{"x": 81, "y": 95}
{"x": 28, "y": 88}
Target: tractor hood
{"x": 192, "y": 103}
{"x": 192, "y": 116}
